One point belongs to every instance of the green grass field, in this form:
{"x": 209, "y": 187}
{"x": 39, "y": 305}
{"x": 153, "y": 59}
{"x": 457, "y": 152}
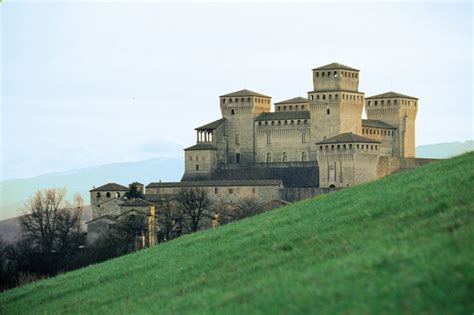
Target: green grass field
{"x": 402, "y": 244}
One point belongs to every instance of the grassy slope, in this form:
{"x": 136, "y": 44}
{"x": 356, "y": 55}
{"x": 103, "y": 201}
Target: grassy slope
{"x": 403, "y": 244}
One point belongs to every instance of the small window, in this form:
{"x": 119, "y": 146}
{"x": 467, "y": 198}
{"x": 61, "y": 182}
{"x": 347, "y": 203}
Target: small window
{"x": 237, "y": 139}
{"x": 269, "y": 157}
{"x": 253, "y": 190}
{"x": 324, "y": 96}
{"x": 232, "y": 112}
{"x": 285, "y": 158}
{"x": 197, "y": 167}
{"x": 269, "y": 138}
{"x": 117, "y": 195}
{"x": 237, "y": 157}
{"x": 317, "y": 74}
{"x": 303, "y": 156}
{"x": 216, "y": 190}
{"x": 328, "y": 111}
{"x": 231, "y": 190}
{"x": 107, "y": 195}
{"x": 303, "y": 137}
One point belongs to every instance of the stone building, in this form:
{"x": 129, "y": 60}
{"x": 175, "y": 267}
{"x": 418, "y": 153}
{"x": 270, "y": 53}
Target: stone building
{"x": 305, "y": 147}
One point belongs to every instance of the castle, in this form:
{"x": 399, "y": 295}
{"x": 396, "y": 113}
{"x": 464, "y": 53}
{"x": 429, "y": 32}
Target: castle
{"x": 305, "y": 147}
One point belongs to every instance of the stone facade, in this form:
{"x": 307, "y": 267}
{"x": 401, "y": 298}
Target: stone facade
{"x": 306, "y": 147}
{"x": 249, "y": 134}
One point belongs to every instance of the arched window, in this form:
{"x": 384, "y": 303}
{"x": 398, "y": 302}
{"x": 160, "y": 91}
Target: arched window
{"x": 269, "y": 157}
{"x": 230, "y": 100}
{"x": 285, "y": 158}
{"x": 330, "y": 96}
{"x": 291, "y": 107}
{"x": 328, "y": 111}
{"x": 324, "y": 96}
{"x": 302, "y": 107}
{"x": 236, "y": 100}
{"x": 303, "y": 156}
{"x": 284, "y": 107}
{"x": 98, "y": 195}
{"x": 107, "y": 195}
{"x": 117, "y": 195}
{"x": 232, "y": 112}
{"x": 317, "y": 97}
{"x": 317, "y": 74}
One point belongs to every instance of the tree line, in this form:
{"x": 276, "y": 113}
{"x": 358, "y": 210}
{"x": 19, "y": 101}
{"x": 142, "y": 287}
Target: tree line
{"x": 53, "y": 242}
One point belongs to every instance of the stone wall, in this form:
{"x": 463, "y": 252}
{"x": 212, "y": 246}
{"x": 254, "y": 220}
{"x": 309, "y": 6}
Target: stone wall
{"x": 298, "y": 194}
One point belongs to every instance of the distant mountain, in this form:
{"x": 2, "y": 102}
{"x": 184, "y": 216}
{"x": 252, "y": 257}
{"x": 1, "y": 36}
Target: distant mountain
{"x": 444, "y": 150}
{"x": 14, "y": 193}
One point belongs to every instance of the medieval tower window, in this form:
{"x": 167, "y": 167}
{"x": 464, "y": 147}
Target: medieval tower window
{"x": 303, "y": 137}
{"x": 117, "y": 195}
{"x": 328, "y": 111}
{"x": 317, "y": 97}
{"x": 237, "y": 158}
{"x": 97, "y": 195}
{"x": 269, "y": 138}
{"x": 231, "y": 190}
{"x": 253, "y": 190}
{"x": 324, "y": 96}
{"x": 269, "y": 157}
{"x": 237, "y": 139}
{"x": 232, "y": 112}
{"x": 216, "y": 190}
{"x": 197, "y": 167}
{"x": 107, "y": 195}
{"x": 285, "y": 158}
{"x": 303, "y": 156}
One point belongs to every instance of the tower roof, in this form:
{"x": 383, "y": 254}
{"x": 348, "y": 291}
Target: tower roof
{"x": 211, "y": 126}
{"x": 201, "y": 146}
{"x": 294, "y": 100}
{"x": 347, "y": 137}
{"x": 335, "y": 65}
{"x": 244, "y": 92}
{"x": 283, "y": 115}
{"x": 376, "y": 124}
{"x": 391, "y": 95}
{"x": 111, "y": 187}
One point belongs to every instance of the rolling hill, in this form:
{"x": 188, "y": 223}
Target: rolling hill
{"x": 402, "y": 244}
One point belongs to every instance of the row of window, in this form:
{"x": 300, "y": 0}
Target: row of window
{"x": 284, "y": 157}
{"x": 196, "y": 158}
{"x": 290, "y": 107}
{"x": 107, "y": 195}
{"x": 349, "y": 146}
{"x": 242, "y": 100}
{"x": 350, "y": 97}
{"x": 390, "y": 102}
{"x": 285, "y": 122}
{"x": 231, "y": 190}
{"x": 336, "y": 74}
{"x": 303, "y": 138}
{"x": 377, "y": 132}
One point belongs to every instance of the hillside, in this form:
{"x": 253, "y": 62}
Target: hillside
{"x": 402, "y": 244}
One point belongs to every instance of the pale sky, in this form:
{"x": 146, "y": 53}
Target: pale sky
{"x": 85, "y": 84}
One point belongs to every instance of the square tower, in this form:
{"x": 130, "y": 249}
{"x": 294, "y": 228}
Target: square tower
{"x": 335, "y": 103}
{"x": 397, "y": 110}
{"x": 239, "y": 109}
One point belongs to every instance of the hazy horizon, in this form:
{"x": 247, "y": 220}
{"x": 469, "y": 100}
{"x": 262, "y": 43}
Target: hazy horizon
{"x": 87, "y": 84}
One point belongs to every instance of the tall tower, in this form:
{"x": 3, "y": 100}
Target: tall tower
{"x": 400, "y": 111}
{"x": 239, "y": 109}
{"x": 335, "y": 102}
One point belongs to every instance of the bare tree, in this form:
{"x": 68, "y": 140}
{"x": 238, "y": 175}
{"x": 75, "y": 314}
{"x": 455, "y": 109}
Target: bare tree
{"x": 170, "y": 219}
{"x": 195, "y": 206}
{"x": 230, "y": 212}
{"x": 49, "y": 223}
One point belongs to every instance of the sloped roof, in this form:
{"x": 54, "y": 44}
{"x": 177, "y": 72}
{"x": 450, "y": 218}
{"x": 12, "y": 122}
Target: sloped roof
{"x": 303, "y": 114}
{"x": 216, "y": 183}
{"x": 347, "y": 137}
{"x": 244, "y": 92}
{"x": 117, "y": 200}
{"x": 107, "y": 216}
{"x": 376, "y": 124}
{"x": 391, "y": 95}
{"x": 211, "y": 126}
{"x": 201, "y": 146}
{"x": 334, "y": 66}
{"x": 111, "y": 187}
{"x": 294, "y": 100}
{"x": 136, "y": 202}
